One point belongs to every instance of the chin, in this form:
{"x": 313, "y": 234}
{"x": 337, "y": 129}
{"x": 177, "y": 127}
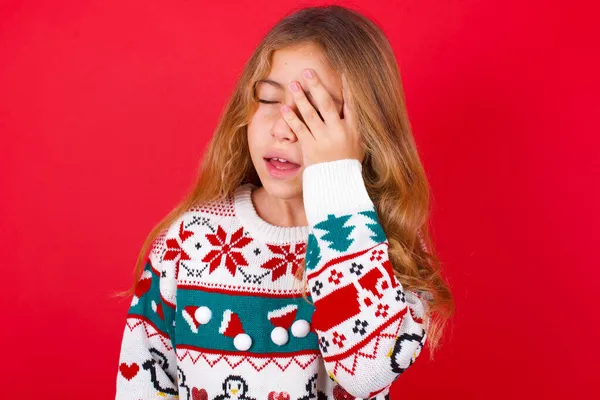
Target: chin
{"x": 282, "y": 189}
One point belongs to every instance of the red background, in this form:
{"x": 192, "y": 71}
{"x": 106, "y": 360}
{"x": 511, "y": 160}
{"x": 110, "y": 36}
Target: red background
{"x": 106, "y": 106}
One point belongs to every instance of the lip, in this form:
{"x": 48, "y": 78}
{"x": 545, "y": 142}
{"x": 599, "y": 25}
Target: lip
{"x": 280, "y": 154}
{"x": 281, "y": 173}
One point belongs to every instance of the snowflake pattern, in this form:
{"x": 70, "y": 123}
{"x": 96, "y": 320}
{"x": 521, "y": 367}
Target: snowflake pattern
{"x": 175, "y": 249}
{"x": 283, "y": 258}
{"x": 230, "y": 250}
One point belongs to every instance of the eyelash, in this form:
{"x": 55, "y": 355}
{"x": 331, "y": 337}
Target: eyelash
{"x": 275, "y": 102}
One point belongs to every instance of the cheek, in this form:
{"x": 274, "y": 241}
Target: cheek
{"x": 259, "y": 119}
{"x": 256, "y": 137}
{"x": 267, "y": 112}
{"x": 262, "y": 122}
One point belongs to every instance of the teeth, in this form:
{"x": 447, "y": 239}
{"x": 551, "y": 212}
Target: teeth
{"x": 279, "y": 159}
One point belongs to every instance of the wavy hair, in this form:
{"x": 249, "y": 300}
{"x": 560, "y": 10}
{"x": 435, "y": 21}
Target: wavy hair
{"x": 392, "y": 171}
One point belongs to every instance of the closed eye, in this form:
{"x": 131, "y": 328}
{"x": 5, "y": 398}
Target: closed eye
{"x": 275, "y": 102}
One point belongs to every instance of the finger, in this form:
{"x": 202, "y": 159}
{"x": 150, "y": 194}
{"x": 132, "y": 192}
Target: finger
{"x": 311, "y": 116}
{"x": 295, "y": 124}
{"x": 324, "y": 102}
{"x": 349, "y": 116}
{"x": 348, "y": 102}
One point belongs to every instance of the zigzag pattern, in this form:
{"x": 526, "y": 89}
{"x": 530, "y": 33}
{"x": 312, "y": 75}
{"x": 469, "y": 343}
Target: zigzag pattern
{"x": 258, "y": 363}
{"x": 362, "y": 354}
{"x": 144, "y": 323}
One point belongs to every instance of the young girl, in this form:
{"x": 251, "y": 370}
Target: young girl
{"x": 300, "y": 266}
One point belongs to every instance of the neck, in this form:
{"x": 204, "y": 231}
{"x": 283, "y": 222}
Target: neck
{"x": 288, "y": 212}
{"x": 266, "y": 226}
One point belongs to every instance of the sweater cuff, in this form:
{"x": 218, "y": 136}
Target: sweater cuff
{"x": 334, "y": 187}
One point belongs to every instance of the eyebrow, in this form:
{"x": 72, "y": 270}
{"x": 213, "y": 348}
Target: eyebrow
{"x": 308, "y": 94}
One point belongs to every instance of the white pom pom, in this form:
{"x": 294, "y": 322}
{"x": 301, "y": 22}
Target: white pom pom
{"x": 300, "y": 328}
{"x": 242, "y": 341}
{"x": 203, "y": 314}
{"x": 279, "y": 336}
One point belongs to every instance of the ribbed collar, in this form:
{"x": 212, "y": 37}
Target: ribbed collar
{"x": 258, "y": 227}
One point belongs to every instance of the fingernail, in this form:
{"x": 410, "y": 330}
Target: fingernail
{"x": 308, "y": 73}
{"x": 285, "y": 108}
{"x": 294, "y": 86}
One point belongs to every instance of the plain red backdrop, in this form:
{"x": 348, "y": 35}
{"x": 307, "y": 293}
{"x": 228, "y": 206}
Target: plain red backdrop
{"x": 105, "y": 108}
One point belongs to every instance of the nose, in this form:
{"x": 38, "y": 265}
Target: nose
{"x": 281, "y": 130}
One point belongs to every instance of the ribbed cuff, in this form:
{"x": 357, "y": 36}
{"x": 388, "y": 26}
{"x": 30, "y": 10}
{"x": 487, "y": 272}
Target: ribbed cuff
{"x": 334, "y": 187}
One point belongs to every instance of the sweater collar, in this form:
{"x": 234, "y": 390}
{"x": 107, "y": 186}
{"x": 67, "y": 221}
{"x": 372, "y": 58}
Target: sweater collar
{"x": 258, "y": 227}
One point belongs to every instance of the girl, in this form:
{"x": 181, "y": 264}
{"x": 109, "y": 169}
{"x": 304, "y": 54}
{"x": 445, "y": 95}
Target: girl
{"x": 300, "y": 266}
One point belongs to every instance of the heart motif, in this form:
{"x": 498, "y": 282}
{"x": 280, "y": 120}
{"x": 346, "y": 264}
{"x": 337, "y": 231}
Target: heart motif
{"x": 129, "y": 371}
{"x": 340, "y": 394}
{"x": 199, "y": 394}
{"x": 278, "y": 396}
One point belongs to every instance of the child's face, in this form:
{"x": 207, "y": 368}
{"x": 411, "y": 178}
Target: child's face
{"x": 268, "y": 131}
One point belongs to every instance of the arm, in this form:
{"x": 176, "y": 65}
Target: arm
{"x": 147, "y": 361}
{"x": 370, "y": 330}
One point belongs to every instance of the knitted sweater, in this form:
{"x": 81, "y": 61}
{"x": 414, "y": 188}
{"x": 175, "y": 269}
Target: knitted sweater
{"x": 218, "y": 313}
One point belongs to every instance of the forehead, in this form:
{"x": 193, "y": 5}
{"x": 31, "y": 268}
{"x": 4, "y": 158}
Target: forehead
{"x": 287, "y": 65}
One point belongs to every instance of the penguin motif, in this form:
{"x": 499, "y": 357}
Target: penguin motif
{"x": 160, "y": 360}
{"x": 311, "y": 389}
{"x": 184, "y": 390}
{"x": 401, "y": 359}
{"x": 235, "y": 388}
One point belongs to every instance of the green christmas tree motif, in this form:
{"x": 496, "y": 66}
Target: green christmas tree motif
{"x": 379, "y": 234}
{"x": 313, "y": 253}
{"x": 337, "y": 233}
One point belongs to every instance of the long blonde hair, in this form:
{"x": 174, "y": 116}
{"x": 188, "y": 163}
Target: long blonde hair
{"x": 392, "y": 171}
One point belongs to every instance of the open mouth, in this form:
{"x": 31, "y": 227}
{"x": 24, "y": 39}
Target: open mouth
{"x": 280, "y": 163}
{"x": 280, "y": 168}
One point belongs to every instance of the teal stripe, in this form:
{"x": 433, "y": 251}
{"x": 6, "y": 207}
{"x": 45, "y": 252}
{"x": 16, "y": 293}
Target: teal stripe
{"x": 252, "y": 311}
{"x": 144, "y": 306}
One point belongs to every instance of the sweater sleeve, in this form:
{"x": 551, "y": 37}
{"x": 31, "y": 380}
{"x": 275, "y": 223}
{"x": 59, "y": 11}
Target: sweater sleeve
{"x": 147, "y": 362}
{"x": 369, "y": 328}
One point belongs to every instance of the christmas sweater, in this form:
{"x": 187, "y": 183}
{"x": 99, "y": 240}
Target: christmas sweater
{"x": 219, "y": 314}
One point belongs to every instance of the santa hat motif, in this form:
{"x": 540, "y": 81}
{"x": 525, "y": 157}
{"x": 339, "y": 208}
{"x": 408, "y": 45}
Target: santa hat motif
{"x": 231, "y": 325}
{"x": 157, "y": 308}
{"x": 189, "y": 314}
{"x": 142, "y": 287}
{"x": 284, "y": 316}
{"x": 196, "y": 316}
